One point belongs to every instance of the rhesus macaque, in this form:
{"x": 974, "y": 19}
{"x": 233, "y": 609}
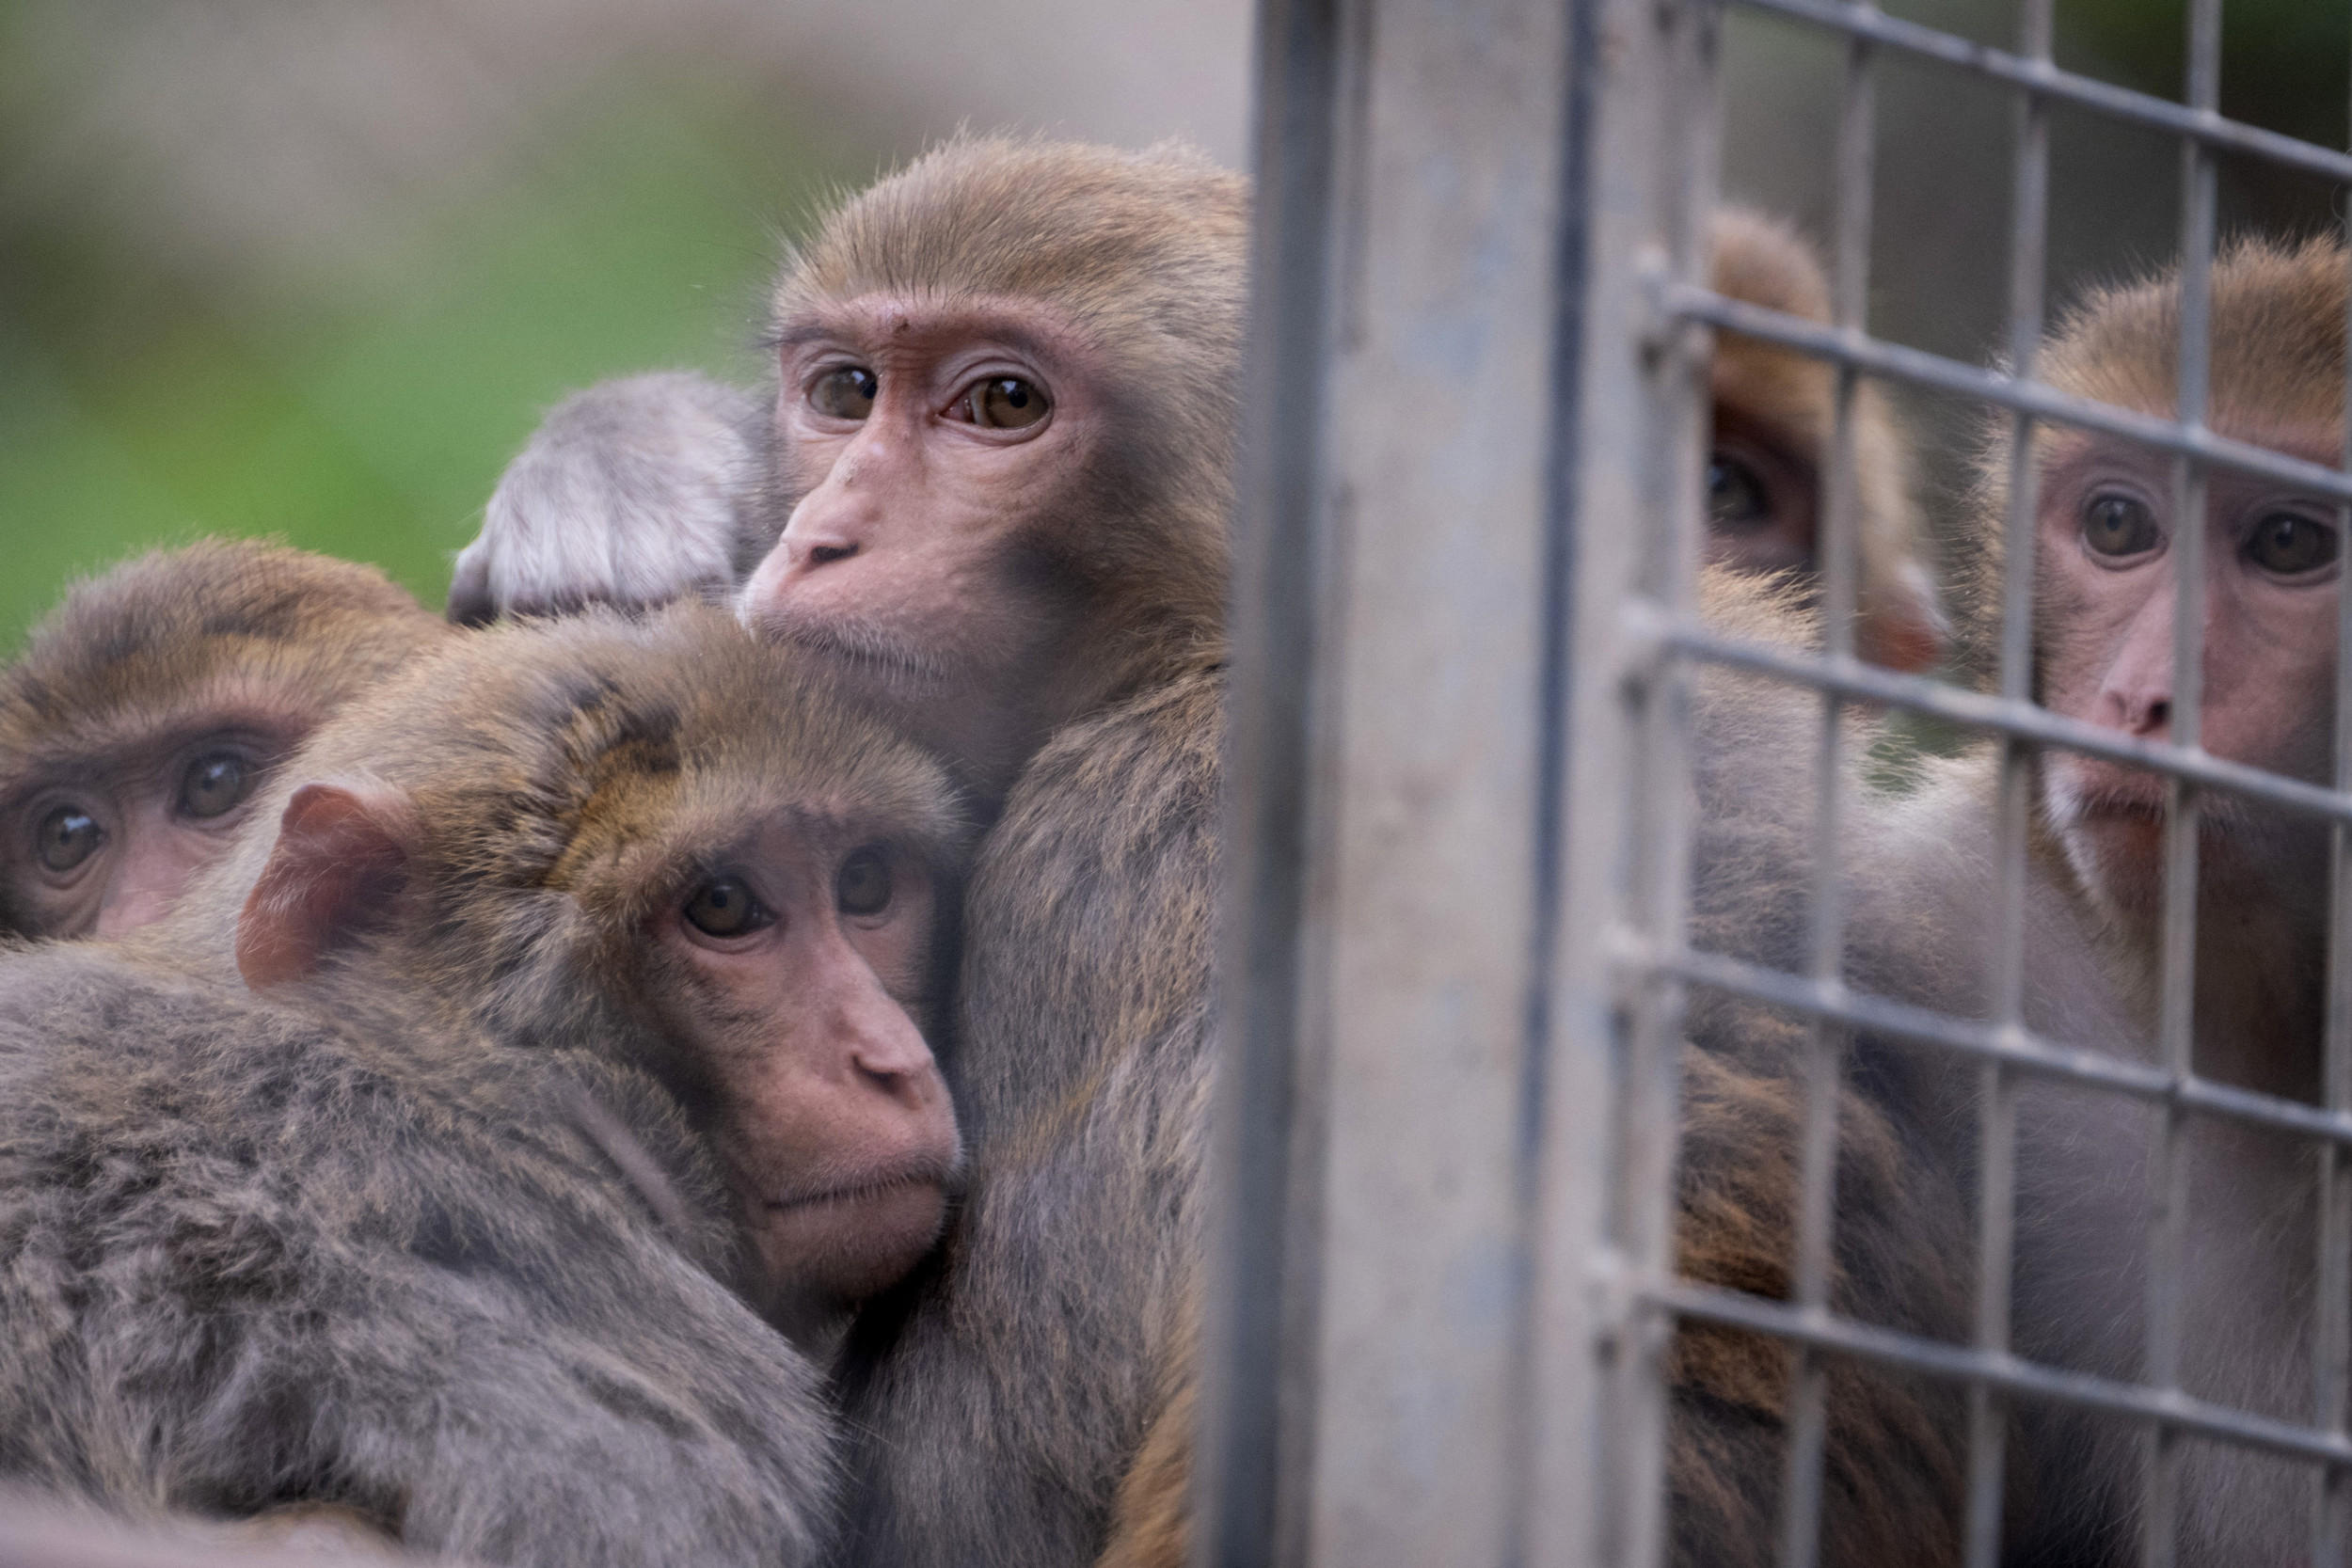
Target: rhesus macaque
{"x": 1921, "y": 916}
{"x": 994, "y": 480}
{"x": 1775, "y": 412}
{"x": 2105, "y": 538}
{"x": 148, "y": 707}
{"x": 992, "y": 490}
{"x": 584, "y": 973}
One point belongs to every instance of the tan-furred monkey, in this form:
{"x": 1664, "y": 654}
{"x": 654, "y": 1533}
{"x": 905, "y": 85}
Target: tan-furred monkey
{"x": 2106, "y": 534}
{"x": 148, "y": 708}
{"x": 995, "y": 479}
{"x": 436, "y": 1160}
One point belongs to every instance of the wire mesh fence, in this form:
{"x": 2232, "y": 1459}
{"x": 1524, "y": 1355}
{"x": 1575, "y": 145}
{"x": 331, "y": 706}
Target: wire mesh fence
{"x": 1373, "y": 1408}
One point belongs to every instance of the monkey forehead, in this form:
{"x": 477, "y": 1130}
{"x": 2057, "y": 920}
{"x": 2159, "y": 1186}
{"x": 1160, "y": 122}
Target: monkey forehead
{"x": 1148, "y": 241}
{"x": 2277, "y": 336}
{"x": 136, "y": 734}
{"x": 279, "y": 632}
{"x": 936, "y": 321}
{"x": 531, "y": 746}
{"x": 2068, "y": 456}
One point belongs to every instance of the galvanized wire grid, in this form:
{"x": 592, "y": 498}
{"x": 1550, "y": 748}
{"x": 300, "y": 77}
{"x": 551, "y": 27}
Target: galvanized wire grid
{"x": 2001, "y": 1046}
{"x": 1453, "y": 958}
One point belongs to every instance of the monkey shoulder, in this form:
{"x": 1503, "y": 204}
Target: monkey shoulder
{"x": 136, "y": 1097}
{"x": 1105, "y": 863}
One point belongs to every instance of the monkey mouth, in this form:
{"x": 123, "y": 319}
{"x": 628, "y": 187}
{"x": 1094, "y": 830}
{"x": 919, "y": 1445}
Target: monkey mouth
{"x": 862, "y": 648}
{"x": 925, "y": 1173}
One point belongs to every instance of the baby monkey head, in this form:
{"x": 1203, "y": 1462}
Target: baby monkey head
{"x": 661, "y": 842}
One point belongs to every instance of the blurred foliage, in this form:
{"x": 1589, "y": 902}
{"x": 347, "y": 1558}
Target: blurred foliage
{"x": 143, "y": 402}
{"x": 2282, "y": 61}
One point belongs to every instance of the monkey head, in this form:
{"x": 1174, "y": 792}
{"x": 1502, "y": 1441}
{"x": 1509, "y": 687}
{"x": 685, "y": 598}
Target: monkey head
{"x": 1003, "y": 432}
{"x": 1774, "y": 412}
{"x": 2105, "y": 560}
{"x": 148, "y": 707}
{"x": 666, "y": 843}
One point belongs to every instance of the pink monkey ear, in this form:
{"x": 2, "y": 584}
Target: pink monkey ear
{"x": 337, "y": 862}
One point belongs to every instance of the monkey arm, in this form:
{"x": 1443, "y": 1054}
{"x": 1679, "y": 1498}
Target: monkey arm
{"x": 633, "y": 492}
{"x": 253, "y": 1261}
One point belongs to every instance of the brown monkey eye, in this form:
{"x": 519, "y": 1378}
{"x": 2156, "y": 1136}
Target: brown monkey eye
{"x": 723, "y": 907}
{"x": 1008, "y": 403}
{"x": 863, "y": 886}
{"x": 847, "y": 394}
{"x": 216, "y": 784}
{"x": 2290, "y": 545}
{"x": 67, "y": 838}
{"x": 2119, "y": 526}
{"x": 1735, "y": 496}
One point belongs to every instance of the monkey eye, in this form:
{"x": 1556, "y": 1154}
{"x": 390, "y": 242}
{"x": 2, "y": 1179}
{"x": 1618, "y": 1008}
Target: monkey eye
{"x": 2291, "y": 545}
{"x": 216, "y": 784}
{"x": 846, "y": 393}
{"x": 1736, "y": 500}
{"x": 863, "y": 888}
{"x": 725, "y": 907}
{"x": 1006, "y": 402}
{"x": 66, "y": 837}
{"x": 2119, "y": 526}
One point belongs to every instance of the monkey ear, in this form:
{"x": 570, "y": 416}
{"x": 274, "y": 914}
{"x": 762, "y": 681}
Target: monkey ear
{"x": 337, "y": 858}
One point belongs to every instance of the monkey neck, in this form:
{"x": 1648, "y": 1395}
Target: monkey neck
{"x": 1100, "y": 668}
{"x": 2261, "y": 973}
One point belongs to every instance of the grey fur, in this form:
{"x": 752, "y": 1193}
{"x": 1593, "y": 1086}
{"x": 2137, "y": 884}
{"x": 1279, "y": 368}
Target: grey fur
{"x": 358, "y": 1244}
{"x": 634, "y": 492}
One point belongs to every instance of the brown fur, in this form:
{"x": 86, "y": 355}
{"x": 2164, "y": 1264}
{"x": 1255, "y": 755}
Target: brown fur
{"x": 176, "y": 641}
{"x": 1142, "y": 252}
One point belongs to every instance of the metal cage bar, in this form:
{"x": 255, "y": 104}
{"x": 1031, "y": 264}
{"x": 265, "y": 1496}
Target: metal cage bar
{"x": 1996, "y": 1133}
{"x": 1448, "y": 1284}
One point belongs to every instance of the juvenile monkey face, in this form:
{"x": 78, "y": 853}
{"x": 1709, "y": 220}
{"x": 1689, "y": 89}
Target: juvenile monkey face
{"x": 2106, "y": 571}
{"x": 109, "y": 844}
{"x": 931, "y": 450}
{"x": 805, "y": 949}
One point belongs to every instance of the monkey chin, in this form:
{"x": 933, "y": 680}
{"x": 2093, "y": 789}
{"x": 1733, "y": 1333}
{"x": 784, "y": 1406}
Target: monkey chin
{"x": 822, "y": 1254}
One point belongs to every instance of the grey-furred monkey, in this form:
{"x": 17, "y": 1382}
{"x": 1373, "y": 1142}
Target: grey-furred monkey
{"x": 440, "y": 1156}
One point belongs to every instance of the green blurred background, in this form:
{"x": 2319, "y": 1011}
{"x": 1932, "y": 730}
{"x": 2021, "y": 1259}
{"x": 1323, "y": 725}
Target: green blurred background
{"x": 313, "y": 270}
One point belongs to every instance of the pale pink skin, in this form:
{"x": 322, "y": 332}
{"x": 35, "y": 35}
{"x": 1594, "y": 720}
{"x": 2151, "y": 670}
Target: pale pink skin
{"x": 900, "y": 557}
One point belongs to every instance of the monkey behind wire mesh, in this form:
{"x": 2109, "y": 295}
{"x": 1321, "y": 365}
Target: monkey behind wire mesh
{"x": 586, "y": 966}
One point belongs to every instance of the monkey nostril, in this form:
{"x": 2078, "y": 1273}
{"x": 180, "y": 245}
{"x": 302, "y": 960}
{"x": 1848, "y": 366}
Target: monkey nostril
{"x": 2159, "y": 713}
{"x": 820, "y": 554}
